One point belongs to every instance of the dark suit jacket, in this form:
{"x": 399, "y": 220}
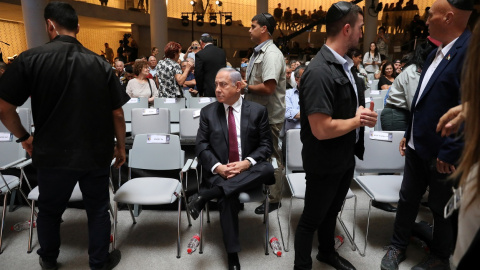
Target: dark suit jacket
{"x": 212, "y": 137}
{"x": 207, "y": 63}
{"x": 441, "y": 93}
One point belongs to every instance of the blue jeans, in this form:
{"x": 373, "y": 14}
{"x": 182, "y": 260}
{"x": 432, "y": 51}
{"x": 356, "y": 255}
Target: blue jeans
{"x": 56, "y": 186}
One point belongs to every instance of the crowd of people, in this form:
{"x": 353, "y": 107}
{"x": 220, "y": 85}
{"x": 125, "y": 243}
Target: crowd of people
{"x": 256, "y": 104}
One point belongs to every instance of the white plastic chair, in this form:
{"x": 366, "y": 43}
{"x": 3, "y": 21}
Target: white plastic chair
{"x": 143, "y": 123}
{"x": 127, "y": 108}
{"x": 200, "y": 102}
{"x": 153, "y": 190}
{"x": 297, "y": 183}
{"x": 174, "y": 105}
{"x": 378, "y": 125}
{"x": 380, "y": 157}
{"x": 12, "y": 156}
{"x": 189, "y": 123}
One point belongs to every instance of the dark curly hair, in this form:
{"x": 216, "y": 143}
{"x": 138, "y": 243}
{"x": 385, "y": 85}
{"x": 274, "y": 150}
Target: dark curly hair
{"x": 171, "y": 49}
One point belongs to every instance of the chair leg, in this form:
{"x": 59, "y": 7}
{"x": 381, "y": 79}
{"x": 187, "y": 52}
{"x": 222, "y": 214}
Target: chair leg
{"x": 3, "y": 220}
{"x": 131, "y": 214}
{"x": 27, "y": 200}
{"x": 208, "y": 211}
{"x": 115, "y": 215}
{"x": 267, "y": 204}
{"x": 344, "y": 227}
{"x": 368, "y": 226}
{"x": 287, "y": 249}
{"x": 186, "y": 206}
{"x": 111, "y": 210}
{"x": 178, "y": 226}
{"x": 11, "y": 208}
{"x": 30, "y": 229}
{"x": 280, "y": 226}
{"x": 200, "y": 251}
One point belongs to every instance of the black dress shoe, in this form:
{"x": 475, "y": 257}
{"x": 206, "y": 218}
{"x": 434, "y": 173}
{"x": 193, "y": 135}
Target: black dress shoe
{"x": 234, "y": 266}
{"x": 335, "y": 260}
{"x": 384, "y": 206}
{"x": 271, "y": 207}
{"x": 233, "y": 262}
{"x": 195, "y": 205}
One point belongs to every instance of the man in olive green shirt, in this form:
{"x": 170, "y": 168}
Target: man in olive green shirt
{"x": 265, "y": 84}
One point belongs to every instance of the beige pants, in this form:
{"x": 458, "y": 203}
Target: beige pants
{"x": 276, "y": 189}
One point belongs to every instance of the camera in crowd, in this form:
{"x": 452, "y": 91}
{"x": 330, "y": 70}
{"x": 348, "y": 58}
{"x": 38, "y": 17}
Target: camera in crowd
{"x": 125, "y": 41}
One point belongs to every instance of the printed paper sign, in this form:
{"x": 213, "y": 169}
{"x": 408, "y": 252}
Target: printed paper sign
{"x": 374, "y": 92}
{"x": 381, "y": 136}
{"x": 134, "y": 100}
{"x": 368, "y": 99}
{"x": 153, "y": 138}
{"x": 170, "y": 100}
{"x": 6, "y": 137}
{"x": 204, "y": 100}
{"x": 196, "y": 113}
{"x": 151, "y": 111}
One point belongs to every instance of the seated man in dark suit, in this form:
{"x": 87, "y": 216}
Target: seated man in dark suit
{"x": 233, "y": 145}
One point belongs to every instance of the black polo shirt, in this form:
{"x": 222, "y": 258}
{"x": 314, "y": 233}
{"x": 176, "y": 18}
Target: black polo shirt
{"x": 326, "y": 89}
{"x": 73, "y": 92}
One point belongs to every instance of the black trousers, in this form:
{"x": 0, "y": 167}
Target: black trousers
{"x": 419, "y": 174}
{"x": 324, "y": 196}
{"x": 229, "y": 205}
{"x": 55, "y": 187}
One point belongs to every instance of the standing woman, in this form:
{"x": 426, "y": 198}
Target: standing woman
{"x": 388, "y": 76}
{"x": 372, "y": 59}
{"x": 141, "y": 86}
{"x": 170, "y": 73}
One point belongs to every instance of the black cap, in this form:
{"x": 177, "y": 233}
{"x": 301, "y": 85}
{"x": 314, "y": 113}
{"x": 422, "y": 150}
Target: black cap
{"x": 271, "y": 22}
{"x": 462, "y": 4}
{"x": 338, "y": 11}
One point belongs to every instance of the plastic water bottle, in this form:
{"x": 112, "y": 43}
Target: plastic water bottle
{"x": 276, "y": 247}
{"x": 24, "y": 225}
{"x": 193, "y": 244}
{"x": 338, "y": 241}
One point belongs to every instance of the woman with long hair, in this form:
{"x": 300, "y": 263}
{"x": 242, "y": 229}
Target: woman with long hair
{"x": 388, "y": 76}
{"x": 372, "y": 59}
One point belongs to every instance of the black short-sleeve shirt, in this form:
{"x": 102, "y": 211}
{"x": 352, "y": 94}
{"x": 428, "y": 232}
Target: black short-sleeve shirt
{"x": 325, "y": 88}
{"x": 382, "y": 81}
{"x": 73, "y": 93}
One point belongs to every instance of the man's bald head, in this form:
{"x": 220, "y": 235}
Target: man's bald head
{"x": 446, "y": 22}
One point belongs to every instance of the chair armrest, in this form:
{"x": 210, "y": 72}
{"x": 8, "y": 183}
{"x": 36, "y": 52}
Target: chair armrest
{"x": 194, "y": 164}
{"x": 23, "y": 164}
{"x": 274, "y": 163}
{"x": 186, "y": 167}
{"x": 11, "y": 164}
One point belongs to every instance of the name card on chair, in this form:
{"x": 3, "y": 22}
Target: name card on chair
{"x": 153, "y": 138}
{"x": 170, "y": 100}
{"x": 196, "y": 113}
{"x": 204, "y": 100}
{"x": 374, "y": 92}
{"x": 134, "y": 100}
{"x": 6, "y": 137}
{"x": 381, "y": 136}
{"x": 368, "y": 99}
{"x": 151, "y": 111}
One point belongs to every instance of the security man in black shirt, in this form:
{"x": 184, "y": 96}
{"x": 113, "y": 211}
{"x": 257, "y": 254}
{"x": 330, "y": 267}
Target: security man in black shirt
{"x": 77, "y": 108}
{"x": 332, "y": 120}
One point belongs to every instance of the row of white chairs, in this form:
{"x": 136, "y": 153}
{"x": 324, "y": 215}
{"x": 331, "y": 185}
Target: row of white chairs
{"x": 381, "y": 156}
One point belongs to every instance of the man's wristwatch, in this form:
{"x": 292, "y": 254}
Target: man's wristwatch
{"x": 249, "y": 162}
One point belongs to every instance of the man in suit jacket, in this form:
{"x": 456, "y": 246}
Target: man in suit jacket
{"x": 207, "y": 63}
{"x": 430, "y": 158}
{"x": 233, "y": 145}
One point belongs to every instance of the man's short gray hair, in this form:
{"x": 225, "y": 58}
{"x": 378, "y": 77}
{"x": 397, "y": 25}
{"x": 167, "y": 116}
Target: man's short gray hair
{"x": 235, "y": 76}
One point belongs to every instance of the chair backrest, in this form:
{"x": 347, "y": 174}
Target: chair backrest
{"x": 378, "y": 102}
{"x": 173, "y": 104}
{"x": 200, "y": 102}
{"x": 151, "y": 123}
{"x": 189, "y": 124}
{"x": 381, "y": 156}
{"x": 374, "y": 85}
{"x": 11, "y": 150}
{"x": 294, "y": 146}
{"x": 378, "y": 126}
{"x": 133, "y": 103}
{"x": 156, "y": 156}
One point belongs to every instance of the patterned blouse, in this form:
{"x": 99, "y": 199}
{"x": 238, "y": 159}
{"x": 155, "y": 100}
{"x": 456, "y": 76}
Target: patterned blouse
{"x": 166, "y": 70}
